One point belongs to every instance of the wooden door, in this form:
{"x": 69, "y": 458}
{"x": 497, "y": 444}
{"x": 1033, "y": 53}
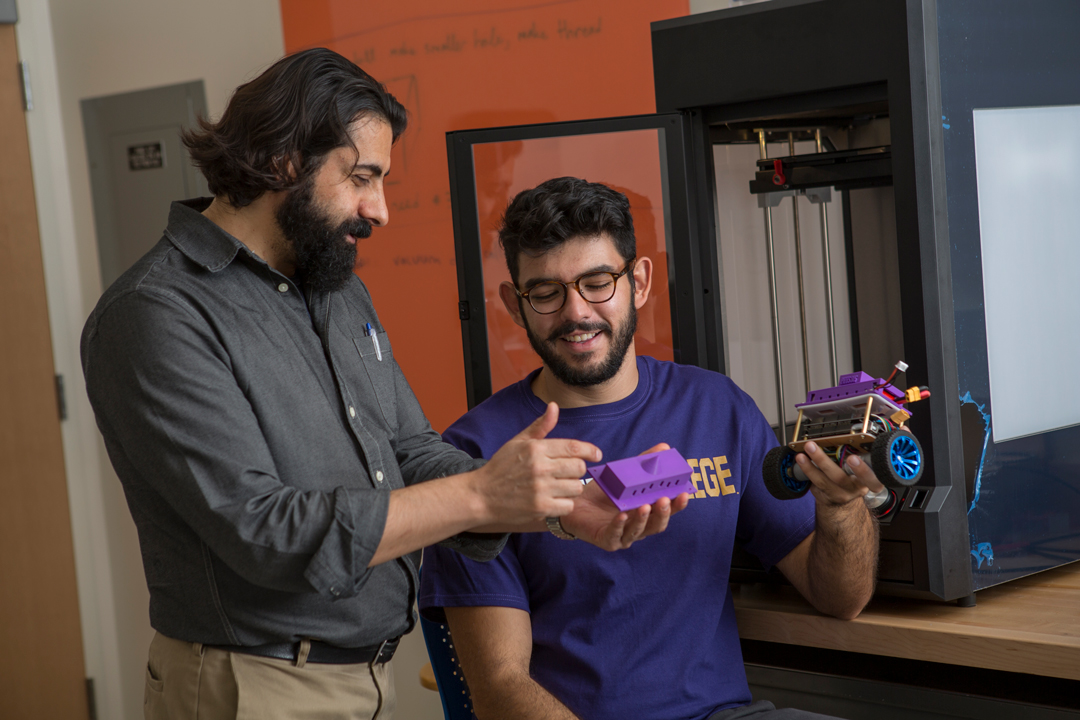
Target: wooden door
{"x": 42, "y": 673}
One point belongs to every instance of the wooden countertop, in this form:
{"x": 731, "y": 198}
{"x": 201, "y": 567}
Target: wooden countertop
{"x": 1030, "y": 625}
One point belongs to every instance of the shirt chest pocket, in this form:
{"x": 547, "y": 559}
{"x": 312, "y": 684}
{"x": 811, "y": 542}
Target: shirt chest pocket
{"x": 377, "y": 360}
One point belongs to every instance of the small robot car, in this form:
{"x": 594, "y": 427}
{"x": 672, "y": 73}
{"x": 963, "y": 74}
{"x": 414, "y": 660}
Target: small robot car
{"x": 863, "y": 416}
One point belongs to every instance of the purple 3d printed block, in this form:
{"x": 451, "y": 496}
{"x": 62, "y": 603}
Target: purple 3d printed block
{"x": 644, "y": 479}
{"x": 852, "y": 385}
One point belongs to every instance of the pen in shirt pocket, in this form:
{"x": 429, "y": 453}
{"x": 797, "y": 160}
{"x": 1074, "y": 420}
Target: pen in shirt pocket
{"x": 374, "y": 341}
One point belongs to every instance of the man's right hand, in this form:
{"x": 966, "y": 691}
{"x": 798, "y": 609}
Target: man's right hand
{"x": 532, "y": 477}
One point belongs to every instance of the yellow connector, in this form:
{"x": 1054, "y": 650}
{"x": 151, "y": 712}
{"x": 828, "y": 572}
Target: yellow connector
{"x": 912, "y": 394}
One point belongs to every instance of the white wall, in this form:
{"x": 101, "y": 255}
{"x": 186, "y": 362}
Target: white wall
{"x": 78, "y": 49}
{"x": 112, "y": 46}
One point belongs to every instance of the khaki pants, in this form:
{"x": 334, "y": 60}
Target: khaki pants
{"x": 187, "y": 681}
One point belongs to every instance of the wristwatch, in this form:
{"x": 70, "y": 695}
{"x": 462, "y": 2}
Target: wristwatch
{"x": 554, "y": 524}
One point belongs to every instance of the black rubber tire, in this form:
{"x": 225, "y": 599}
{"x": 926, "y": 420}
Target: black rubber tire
{"x": 774, "y": 471}
{"x": 897, "y": 458}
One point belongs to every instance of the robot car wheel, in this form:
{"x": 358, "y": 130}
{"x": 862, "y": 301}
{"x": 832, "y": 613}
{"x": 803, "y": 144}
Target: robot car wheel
{"x": 776, "y": 471}
{"x": 897, "y": 458}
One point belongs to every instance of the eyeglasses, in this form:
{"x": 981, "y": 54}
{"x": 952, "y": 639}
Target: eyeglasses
{"x": 596, "y": 287}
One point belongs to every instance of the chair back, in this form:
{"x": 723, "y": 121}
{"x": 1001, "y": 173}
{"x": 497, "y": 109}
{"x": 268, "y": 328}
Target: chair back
{"x": 454, "y": 693}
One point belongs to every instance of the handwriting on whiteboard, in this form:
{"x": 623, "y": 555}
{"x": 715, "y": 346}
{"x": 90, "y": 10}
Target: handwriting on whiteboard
{"x": 482, "y": 38}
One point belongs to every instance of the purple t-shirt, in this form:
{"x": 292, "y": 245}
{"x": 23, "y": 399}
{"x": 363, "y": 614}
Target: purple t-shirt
{"x": 647, "y": 632}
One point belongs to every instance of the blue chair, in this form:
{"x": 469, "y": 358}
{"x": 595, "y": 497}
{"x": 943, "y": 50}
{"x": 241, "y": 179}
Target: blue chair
{"x": 454, "y": 693}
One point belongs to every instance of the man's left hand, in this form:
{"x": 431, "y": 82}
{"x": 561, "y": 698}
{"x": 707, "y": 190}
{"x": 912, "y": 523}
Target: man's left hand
{"x": 830, "y": 484}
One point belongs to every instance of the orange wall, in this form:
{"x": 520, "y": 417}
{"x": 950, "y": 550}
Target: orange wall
{"x": 484, "y": 63}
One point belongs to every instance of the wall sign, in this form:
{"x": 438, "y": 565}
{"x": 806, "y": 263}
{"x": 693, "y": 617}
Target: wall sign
{"x": 145, "y": 157}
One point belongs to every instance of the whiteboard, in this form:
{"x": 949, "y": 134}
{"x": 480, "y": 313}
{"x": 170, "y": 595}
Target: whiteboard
{"x": 1028, "y": 171}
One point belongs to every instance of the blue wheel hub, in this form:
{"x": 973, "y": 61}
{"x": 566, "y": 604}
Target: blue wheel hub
{"x": 905, "y": 457}
{"x": 786, "y": 466}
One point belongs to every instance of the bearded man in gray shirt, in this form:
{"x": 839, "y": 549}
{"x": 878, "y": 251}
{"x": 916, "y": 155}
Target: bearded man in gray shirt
{"x": 279, "y": 470}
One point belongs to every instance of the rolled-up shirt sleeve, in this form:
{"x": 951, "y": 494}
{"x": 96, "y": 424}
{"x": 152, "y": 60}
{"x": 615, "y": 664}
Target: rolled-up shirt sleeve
{"x": 422, "y": 454}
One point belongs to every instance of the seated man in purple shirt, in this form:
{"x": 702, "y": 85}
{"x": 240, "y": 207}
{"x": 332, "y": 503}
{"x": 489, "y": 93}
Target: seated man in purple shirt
{"x": 557, "y": 629}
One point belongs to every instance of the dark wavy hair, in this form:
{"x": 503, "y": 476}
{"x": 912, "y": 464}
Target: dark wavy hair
{"x": 542, "y": 218}
{"x": 278, "y": 128}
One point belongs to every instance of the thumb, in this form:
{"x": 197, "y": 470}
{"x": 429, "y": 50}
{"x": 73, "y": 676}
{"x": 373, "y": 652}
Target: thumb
{"x": 541, "y": 426}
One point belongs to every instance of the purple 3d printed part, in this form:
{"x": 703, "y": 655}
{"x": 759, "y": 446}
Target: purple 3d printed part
{"x": 852, "y": 385}
{"x": 644, "y": 479}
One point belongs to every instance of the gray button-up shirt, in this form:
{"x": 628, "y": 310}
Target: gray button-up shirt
{"x": 258, "y": 435}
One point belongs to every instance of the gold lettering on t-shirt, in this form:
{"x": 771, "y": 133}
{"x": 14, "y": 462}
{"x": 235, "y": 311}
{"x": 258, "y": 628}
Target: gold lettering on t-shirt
{"x": 695, "y": 477}
{"x": 707, "y": 474}
{"x": 708, "y": 477}
{"x": 723, "y": 474}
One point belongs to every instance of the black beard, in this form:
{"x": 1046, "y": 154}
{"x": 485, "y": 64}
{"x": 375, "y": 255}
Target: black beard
{"x": 585, "y": 377}
{"x": 324, "y": 258}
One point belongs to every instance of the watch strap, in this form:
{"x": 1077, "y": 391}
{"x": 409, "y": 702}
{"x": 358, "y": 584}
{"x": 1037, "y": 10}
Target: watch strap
{"x": 555, "y": 525}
